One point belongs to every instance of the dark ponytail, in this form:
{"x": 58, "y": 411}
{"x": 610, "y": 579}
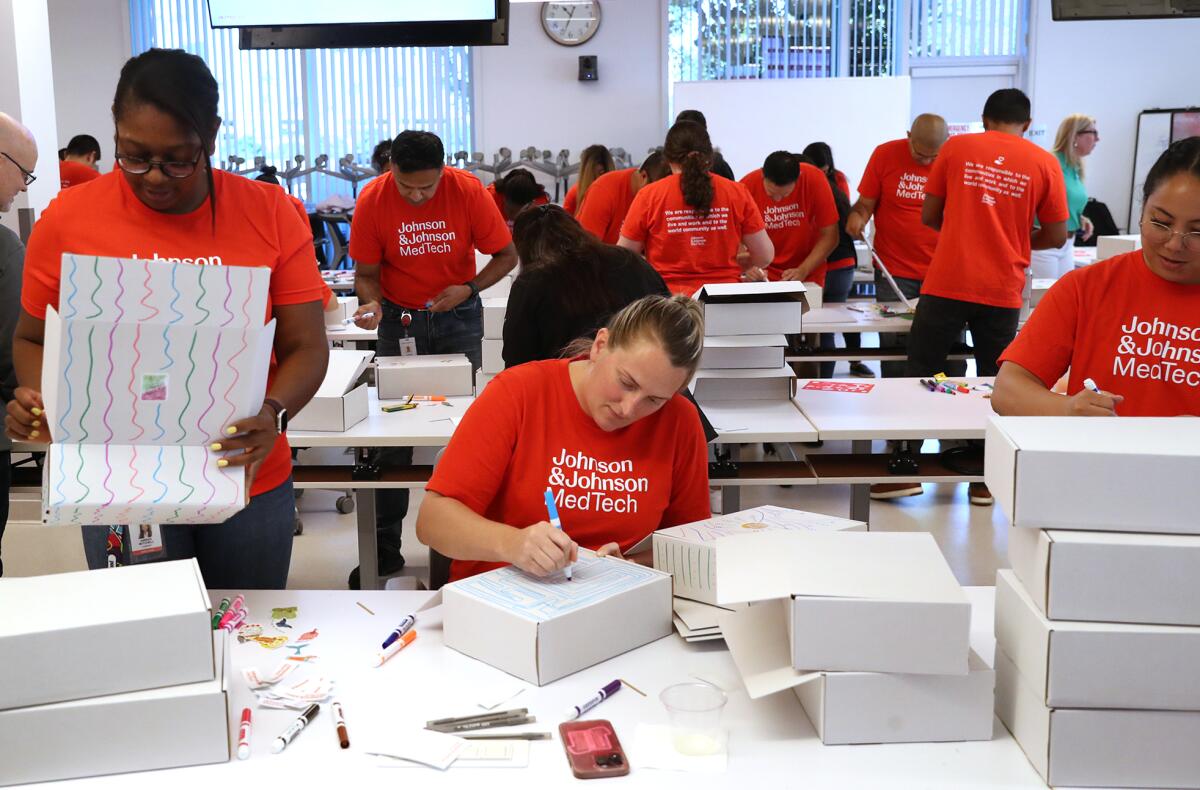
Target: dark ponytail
{"x": 179, "y": 84}
{"x": 689, "y": 146}
{"x": 1182, "y": 156}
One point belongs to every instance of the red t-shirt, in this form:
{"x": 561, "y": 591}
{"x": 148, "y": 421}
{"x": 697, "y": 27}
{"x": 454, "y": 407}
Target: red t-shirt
{"x": 256, "y": 225}
{"x": 1120, "y": 324}
{"x": 608, "y": 201}
{"x": 794, "y": 222}
{"x": 74, "y": 173}
{"x": 570, "y": 202}
{"x": 425, "y": 249}
{"x": 897, "y": 184}
{"x": 995, "y": 184}
{"x": 527, "y": 431}
{"x": 686, "y": 249}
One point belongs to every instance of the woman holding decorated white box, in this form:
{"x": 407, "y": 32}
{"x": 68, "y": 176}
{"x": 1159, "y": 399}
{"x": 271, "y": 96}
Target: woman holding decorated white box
{"x": 1128, "y": 328}
{"x": 607, "y": 431}
{"x": 165, "y": 201}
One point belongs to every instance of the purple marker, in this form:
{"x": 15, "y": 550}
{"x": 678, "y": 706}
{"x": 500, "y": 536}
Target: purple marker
{"x": 603, "y": 694}
{"x": 402, "y": 629}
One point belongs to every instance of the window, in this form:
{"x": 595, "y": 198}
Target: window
{"x": 967, "y": 28}
{"x": 277, "y": 104}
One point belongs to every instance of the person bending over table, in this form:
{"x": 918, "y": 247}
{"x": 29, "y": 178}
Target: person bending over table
{"x": 514, "y": 191}
{"x": 689, "y": 225}
{"x": 1130, "y": 323}
{"x": 594, "y": 161}
{"x": 611, "y": 195}
{"x": 607, "y": 431}
{"x": 165, "y": 200}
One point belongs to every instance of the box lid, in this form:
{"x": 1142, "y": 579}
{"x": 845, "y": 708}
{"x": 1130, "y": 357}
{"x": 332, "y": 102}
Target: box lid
{"x": 781, "y": 372}
{"x": 745, "y": 341}
{"x": 752, "y": 293}
{"x": 759, "y": 520}
{"x": 345, "y": 366}
{"x": 889, "y": 566}
{"x": 422, "y": 361}
{"x": 1124, "y": 436}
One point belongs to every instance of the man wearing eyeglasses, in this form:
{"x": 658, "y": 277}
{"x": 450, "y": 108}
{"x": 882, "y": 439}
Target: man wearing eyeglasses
{"x": 18, "y": 157}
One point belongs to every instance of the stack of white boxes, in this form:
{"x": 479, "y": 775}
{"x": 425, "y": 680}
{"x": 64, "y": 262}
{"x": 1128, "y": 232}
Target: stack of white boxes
{"x": 108, "y": 672}
{"x": 744, "y": 328}
{"x": 1098, "y": 623}
{"x": 871, "y": 629}
{"x": 494, "y": 309}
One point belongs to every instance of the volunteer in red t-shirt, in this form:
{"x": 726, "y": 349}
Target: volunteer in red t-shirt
{"x": 413, "y": 240}
{"x": 608, "y": 432}
{"x": 594, "y": 161}
{"x": 611, "y": 195}
{"x": 80, "y": 161}
{"x": 515, "y": 190}
{"x": 690, "y": 224}
{"x": 1131, "y": 323}
{"x": 167, "y": 202}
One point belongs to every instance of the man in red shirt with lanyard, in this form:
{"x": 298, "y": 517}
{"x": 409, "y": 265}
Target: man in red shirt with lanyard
{"x": 413, "y": 239}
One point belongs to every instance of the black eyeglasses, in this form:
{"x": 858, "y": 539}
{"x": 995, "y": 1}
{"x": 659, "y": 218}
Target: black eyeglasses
{"x": 136, "y": 166}
{"x": 29, "y": 177}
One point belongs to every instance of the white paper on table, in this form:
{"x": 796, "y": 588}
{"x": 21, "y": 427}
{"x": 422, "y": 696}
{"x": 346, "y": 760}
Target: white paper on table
{"x": 654, "y": 748}
{"x": 757, "y": 638}
{"x": 436, "y": 749}
{"x": 498, "y": 692}
{"x": 702, "y": 635}
{"x": 699, "y": 616}
{"x": 494, "y": 754}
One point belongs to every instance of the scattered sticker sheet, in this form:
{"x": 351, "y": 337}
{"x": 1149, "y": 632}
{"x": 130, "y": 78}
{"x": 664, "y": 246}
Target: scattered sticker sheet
{"x": 853, "y": 387}
{"x": 145, "y": 364}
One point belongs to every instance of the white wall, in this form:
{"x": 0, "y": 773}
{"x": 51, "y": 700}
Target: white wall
{"x": 89, "y": 42}
{"x": 528, "y": 93}
{"x": 1111, "y": 70}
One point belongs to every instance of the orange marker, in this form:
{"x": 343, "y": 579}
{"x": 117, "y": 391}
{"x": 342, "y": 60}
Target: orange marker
{"x": 423, "y": 398}
{"x": 401, "y": 643}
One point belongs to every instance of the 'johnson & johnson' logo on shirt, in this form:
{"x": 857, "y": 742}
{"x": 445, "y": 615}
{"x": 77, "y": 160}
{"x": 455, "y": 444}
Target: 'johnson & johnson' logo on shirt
{"x": 424, "y": 238}
{"x": 203, "y": 260}
{"x": 788, "y": 215}
{"x": 1155, "y": 350}
{"x": 581, "y": 482}
{"x": 911, "y": 187}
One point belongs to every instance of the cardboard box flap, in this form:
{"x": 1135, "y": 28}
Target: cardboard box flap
{"x": 757, "y": 638}
{"x": 424, "y": 361}
{"x": 745, "y": 341}
{"x": 758, "y": 521}
{"x": 891, "y": 566}
{"x": 1125, "y": 436}
{"x": 783, "y": 371}
{"x": 752, "y": 293}
{"x": 345, "y": 366}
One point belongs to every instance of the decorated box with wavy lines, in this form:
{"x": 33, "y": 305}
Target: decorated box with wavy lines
{"x": 144, "y": 366}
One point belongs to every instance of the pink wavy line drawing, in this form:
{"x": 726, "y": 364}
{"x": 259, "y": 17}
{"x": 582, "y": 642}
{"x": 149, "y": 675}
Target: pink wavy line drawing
{"x": 107, "y": 474}
{"x": 133, "y": 399}
{"x": 146, "y": 285}
{"x": 232, "y": 407}
{"x": 108, "y": 376}
{"x": 212, "y": 399}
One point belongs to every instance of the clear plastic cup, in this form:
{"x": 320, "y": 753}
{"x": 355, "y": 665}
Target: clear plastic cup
{"x": 695, "y": 711}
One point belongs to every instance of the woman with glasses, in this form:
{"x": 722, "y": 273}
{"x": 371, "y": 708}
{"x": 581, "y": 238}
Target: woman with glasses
{"x": 1130, "y": 324}
{"x": 166, "y": 201}
{"x": 1076, "y": 139}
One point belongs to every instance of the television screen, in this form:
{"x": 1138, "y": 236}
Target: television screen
{"x": 293, "y": 13}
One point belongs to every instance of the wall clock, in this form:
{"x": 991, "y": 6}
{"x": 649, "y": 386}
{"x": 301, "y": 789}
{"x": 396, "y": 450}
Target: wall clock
{"x": 571, "y": 23}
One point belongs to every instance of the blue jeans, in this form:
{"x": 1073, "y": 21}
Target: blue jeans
{"x": 251, "y": 550}
{"x": 838, "y": 283}
{"x": 457, "y": 331}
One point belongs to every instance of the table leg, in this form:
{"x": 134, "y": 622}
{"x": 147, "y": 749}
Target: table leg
{"x": 368, "y": 549}
{"x": 731, "y": 496}
{"x": 860, "y": 493}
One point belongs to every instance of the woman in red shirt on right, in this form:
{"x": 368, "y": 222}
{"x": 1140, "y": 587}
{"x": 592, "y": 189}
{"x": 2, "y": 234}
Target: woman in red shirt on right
{"x": 689, "y": 225}
{"x": 1130, "y": 324}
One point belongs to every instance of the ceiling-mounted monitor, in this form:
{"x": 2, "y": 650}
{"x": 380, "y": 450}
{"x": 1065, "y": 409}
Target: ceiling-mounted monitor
{"x": 1079, "y": 10}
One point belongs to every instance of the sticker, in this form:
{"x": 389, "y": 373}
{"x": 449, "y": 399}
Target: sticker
{"x": 754, "y": 525}
{"x": 283, "y": 624}
{"x": 154, "y": 386}
{"x": 302, "y": 658}
{"x": 248, "y": 632}
{"x": 839, "y": 386}
{"x": 147, "y": 541}
{"x": 298, "y": 648}
{"x": 285, "y": 612}
{"x": 271, "y": 642}
{"x": 308, "y": 635}
{"x": 257, "y": 680}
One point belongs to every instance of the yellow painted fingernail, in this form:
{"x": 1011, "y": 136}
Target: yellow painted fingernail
{"x": 231, "y": 430}
{"x": 215, "y": 446}
{"x": 37, "y": 424}
{"x": 222, "y": 463}
{"x": 37, "y": 412}
{"x": 33, "y": 434}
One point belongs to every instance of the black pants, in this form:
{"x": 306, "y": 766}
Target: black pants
{"x": 5, "y": 485}
{"x": 938, "y": 324}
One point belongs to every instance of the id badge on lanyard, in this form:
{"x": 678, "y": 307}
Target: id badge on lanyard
{"x": 408, "y": 345}
{"x": 146, "y": 542}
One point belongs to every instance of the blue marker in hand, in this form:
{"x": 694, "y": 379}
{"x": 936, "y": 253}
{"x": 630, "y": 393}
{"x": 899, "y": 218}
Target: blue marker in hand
{"x": 552, "y": 512}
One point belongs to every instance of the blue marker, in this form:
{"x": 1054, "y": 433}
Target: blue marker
{"x": 405, "y": 625}
{"x": 552, "y": 512}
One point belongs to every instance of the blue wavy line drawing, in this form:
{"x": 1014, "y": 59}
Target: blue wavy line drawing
{"x": 155, "y": 476}
{"x": 74, "y": 287}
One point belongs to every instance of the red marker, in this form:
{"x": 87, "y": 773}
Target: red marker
{"x": 244, "y": 735}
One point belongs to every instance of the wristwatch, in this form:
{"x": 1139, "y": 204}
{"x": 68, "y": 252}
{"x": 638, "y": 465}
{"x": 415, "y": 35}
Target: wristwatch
{"x": 281, "y": 414}
{"x": 474, "y": 288}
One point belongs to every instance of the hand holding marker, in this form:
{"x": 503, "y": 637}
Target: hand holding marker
{"x": 552, "y": 512}
{"x": 1090, "y": 386}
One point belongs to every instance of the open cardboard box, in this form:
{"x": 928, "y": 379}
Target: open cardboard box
{"x": 1110, "y": 577}
{"x": 1097, "y": 665}
{"x": 753, "y": 384}
{"x": 338, "y": 405}
{"x": 688, "y": 551}
{"x": 1116, "y": 474}
{"x": 1098, "y": 748}
{"x": 753, "y": 308}
{"x": 856, "y": 601}
{"x": 71, "y": 636}
{"x": 743, "y": 351}
{"x": 541, "y": 630}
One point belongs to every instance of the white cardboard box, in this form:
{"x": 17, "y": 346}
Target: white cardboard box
{"x": 482, "y": 380}
{"x": 687, "y": 551}
{"x": 424, "y": 374}
{"x": 501, "y": 289}
{"x": 743, "y": 351}
{"x": 1115, "y": 474}
{"x": 874, "y": 707}
{"x": 745, "y": 385}
{"x": 1108, "y": 246}
{"x": 137, "y": 731}
{"x": 494, "y": 309}
{"x": 1111, "y": 577}
{"x": 1098, "y": 748}
{"x": 543, "y": 629}
{"x": 338, "y": 404}
{"x": 71, "y": 636}
{"x": 347, "y": 307}
{"x": 1097, "y": 665}
{"x": 753, "y": 308}
{"x": 859, "y": 601}
{"x": 493, "y": 355}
